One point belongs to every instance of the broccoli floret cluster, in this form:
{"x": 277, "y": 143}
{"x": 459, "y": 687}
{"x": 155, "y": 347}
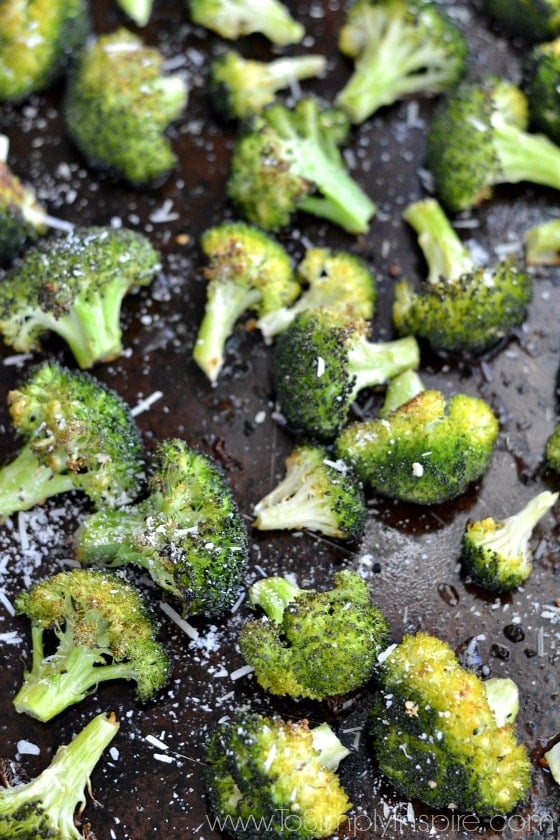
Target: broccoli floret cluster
{"x": 535, "y": 20}
{"x": 233, "y": 19}
{"x": 541, "y": 84}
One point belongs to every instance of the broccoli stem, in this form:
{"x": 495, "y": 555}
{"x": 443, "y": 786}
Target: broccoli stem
{"x": 373, "y": 363}
{"x": 284, "y": 71}
{"x": 512, "y": 534}
{"x": 26, "y": 482}
{"x": 542, "y": 244}
{"x": 273, "y": 595}
{"x": 331, "y": 750}
{"x": 503, "y": 698}
{"x": 524, "y": 156}
{"x": 401, "y": 389}
{"x": 92, "y": 327}
{"x": 445, "y": 254}
{"x": 137, "y": 10}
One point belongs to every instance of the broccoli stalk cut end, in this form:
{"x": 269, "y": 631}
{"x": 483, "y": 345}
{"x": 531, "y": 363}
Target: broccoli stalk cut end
{"x": 137, "y": 10}
{"x": 273, "y": 595}
{"x": 331, "y": 751}
{"x": 502, "y": 694}
{"x": 542, "y": 244}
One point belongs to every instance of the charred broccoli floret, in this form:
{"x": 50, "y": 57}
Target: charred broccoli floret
{"x": 313, "y": 644}
{"x": 248, "y": 271}
{"x": 318, "y": 493}
{"x": 478, "y": 138}
{"x": 187, "y": 533}
{"x": 322, "y": 361}
{"x": 102, "y": 630}
{"x": 535, "y": 20}
{"x": 436, "y": 737}
{"x": 137, "y": 10}
{"x": 496, "y": 553}
{"x": 77, "y": 435}
{"x": 542, "y": 243}
{"x": 427, "y": 450}
{"x": 118, "y": 104}
{"x": 288, "y": 160}
{"x": 461, "y": 308}
{"x": 541, "y": 84}
{"x": 270, "y": 779}
{"x": 46, "y": 805}
{"x": 233, "y": 19}
{"x": 400, "y": 48}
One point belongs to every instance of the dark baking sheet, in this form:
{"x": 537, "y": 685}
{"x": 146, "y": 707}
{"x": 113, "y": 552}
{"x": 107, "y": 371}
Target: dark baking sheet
{"x": 409, "y": 555}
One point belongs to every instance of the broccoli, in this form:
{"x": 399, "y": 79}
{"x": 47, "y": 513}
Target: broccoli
{"x": 118, "y": 104}
{"x": 240, "y": 87}
{"x": 187, "y": 533}
{"x": 137, "y": 10}
{"x": 22, "y": 218}
{"x": 74, "y": 286}
{"x": 233, "y": 19}
{"x": 248, "y": 270}
{"x": 535, "y": 20}
{"x": 313, "y": 644}
{"x": 542, "y": 243}
{"x": 333, "y": 280}
{"x": 436, "y": 737}
{"x": 288, "y": 160}
{"x": 478, "y": 138}
{"x": 400, "y": 48}
{"x": 270, "y": 779}
{"x": 399, "y": 390}
{"x": 46, "y": 805}
{"x": 102, "y": 630}
{"x": 552, "y": 761}
{"x": 541, "y": 84}
{"x": 322, "y": 361}
{"x": 552, "y": 450}
{"x": 38, "y": 38}
{"x": 460, "y": 309}
{"x": 318, "y": 493}
{"x": 78, "y": 434}
{"x": 496, "y": 553}
{"x": 427, "y": 450}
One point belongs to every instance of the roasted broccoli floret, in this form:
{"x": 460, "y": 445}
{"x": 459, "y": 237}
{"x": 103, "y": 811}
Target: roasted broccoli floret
{"x": 248, "y": 271}
{"x": 542, "y": 243}
{"x": 233, "y": 19}
{"x": 331, "y": 279}
{"x": 187, "y": 533}
{"x": 22, "y": 218}
{"x": 535, "y": 20}
{"x": 427, "y": 450}
{"x": 436, "y": 737}
{"x": 102, "y": 630}
{"x": 240, "y": 87}
{"x": 270, "y": 779}
{"x": 288, "y": 160}
{"x": 541, "y": 84}
{"x": 46, "y": 805}
{"x": 137, "y": 10}
{"x": 37, "y": 40}
{"x": 496, "y": 553}
{"x": 552, "y": 450}
{"x": 118, "y": 104}
{"x": 313, "y": 644}
{"x": 77, "y": 434}
{"x": 318, "y": 493}
{"x": 478, "y": 138}
{"x": 461, "y": 308}
{"x": 74, "y": 286}
{"x": 322, "y": 361}
{"x": 400, "y": 48}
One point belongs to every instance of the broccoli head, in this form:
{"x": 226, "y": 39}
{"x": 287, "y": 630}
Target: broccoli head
{"x": 187, "y": 533}
{"x": 318, "y": 493}
{"x": 322, "y": 361}
{"x": 436, "y": 737}
{"x": 535, "y": 20}
{"x": 313, "y": 644}
{"x": 270, "y": 779}
{"x": 542, "y": 243}
{"x": 102, "y": 630}
{"x": 400, "y": 48}
{"x": 248, "y": 271}
{"x": 118, "y": 104}
{"x": 460, "y": 309}
{"x": 478, "y": 138}
{"x": 46, "y": 805}
{"x": 77, "y": 435}
{"x": 233, "y": 19}
{"x": 288, "y": 160}
{"x": 427, "y": 450}
{"x": 541, "y": 83}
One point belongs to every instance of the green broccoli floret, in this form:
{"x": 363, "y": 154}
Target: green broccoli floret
{"x": 333, "y": 280}
{"x": 118, "y": 104}
{"x": 322, "y": 361}
{"x": 541, "y": 84}
{"x": 74, "y": 286}
{"x": 496, "y": 553}
{"x": 542, "y": 243}
{"x": 401, "y": 389}
{"x": 248, "y": 271}
{"x": 77, "y": 435}
{"x": 478, "y": 138}
{"x": 187, "y": 533}
{"x": 22, "y": 218}
{"x": 233, "y": 19}
{"x": 102, "y": 630}
{"x": 461, "y": 308}
{"x": 137, "y": 10}
{"x": 427, "y": 450}
{"x": 552, "y": 450}
{"x": 436, "y": 737}
{"x": 313, "y": 644}
{"x": 535, "y": 20}
{"x": 240, "y": 87}
{"x": 270, "y": 779}
{"x": 46, "y": 805}
{"x": 318, "y": 493}
{"x": 37, "y": 40}
{"x": 400, "y": 48}
{"x": 288, "y": 160}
